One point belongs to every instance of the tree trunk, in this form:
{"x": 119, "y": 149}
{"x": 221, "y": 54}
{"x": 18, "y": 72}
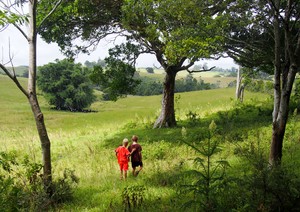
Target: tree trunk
{"x": 283, "y": 79}
{"x": 32, "y": 98}
{"x": 239, "y": 91}
{"x": 281, "y": 107}
{"x": 44, "y": 139}
{"x": 238, "y": 84}
{"x": 167, "y": 115}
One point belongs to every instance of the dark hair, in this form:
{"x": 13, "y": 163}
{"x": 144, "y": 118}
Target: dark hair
{"x": 134, "y": 138}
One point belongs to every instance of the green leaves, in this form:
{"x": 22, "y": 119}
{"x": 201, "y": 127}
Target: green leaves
{"x": 117, "y": 78}
{"x": 210, "y": 174}
{"x": 8, "y": 17}
{"x": 66, "y": 85}
{"x": 179, "y": 29}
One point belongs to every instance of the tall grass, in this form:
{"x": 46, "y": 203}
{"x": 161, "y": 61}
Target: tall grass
{"x": 85, "y": 142}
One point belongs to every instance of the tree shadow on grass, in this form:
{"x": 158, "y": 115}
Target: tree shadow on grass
{"x": 233, "y": 125}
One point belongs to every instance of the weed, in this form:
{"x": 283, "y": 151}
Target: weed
{"x": 192, "y": 118}
{"x": 133, "y": 197}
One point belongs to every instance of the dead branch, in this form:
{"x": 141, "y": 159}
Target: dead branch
{"x": 202, "y": 70}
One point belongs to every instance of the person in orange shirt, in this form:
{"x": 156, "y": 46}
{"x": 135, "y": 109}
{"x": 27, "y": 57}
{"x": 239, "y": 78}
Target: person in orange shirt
{"x": 123, "y": 155}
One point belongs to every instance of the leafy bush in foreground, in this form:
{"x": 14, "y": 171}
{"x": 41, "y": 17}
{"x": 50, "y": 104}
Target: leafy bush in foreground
{"x": 21, "y": 185}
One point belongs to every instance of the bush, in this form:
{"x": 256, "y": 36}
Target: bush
{"x": 66, "y": 85}
{"x": 22, "y": 188}
{"x": 266, "y": 188}
{"x": 150, "y": 70}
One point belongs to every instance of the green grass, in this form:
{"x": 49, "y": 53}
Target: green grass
{"x": 85, "y": 142}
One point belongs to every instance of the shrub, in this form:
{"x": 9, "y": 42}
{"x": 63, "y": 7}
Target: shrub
{"x": 266, "y": 188}
{"x": 66, "y": 85}
{"x": 133, "y": 197}
{"x": 22, "y": 188}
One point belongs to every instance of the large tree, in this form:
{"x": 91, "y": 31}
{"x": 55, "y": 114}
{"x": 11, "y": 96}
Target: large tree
{"x": 268, "y": 38}
{"x": 286, "y": 24}
{"x": 66, "y": 85}
{"x": 10, "y": 14}
{"x": 177, "y": 32}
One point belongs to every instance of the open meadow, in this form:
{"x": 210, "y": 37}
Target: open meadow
{"x": 85, "y": 143}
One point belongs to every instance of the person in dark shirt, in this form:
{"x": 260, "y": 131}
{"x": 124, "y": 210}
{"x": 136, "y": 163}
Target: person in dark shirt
{"x": 135, "y": 150}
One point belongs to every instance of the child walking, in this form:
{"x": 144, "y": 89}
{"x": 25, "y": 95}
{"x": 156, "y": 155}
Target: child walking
{"x": 123, "y": 155}
{"x": 136, "y": 155}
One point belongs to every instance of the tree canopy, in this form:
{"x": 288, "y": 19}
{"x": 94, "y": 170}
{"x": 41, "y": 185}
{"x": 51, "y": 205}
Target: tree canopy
{"x": 177, "y": 32}
{"x": 66, "y": 85}
{"x": 116, "y": 79}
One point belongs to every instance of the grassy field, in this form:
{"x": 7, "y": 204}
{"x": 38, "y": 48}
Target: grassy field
{"x": 85, "y": 142}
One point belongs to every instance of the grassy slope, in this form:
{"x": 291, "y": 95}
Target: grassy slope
{"x": 85, "y": 142}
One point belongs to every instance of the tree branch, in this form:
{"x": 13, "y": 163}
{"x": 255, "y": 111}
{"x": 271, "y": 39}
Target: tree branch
{"x": 22, "y": 32}
{"x": 203, "y": 70}
{"x": 14, "y": 78}
{"x": 49, "y": 14}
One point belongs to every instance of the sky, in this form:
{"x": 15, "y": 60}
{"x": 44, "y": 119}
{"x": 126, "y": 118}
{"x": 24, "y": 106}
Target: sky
{"x": 50, "y": 52}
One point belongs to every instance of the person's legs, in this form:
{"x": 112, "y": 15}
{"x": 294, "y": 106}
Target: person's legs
{"x": 133, "y": 170}
{"x": 125, "y": 169}
{"x": 140, "y": 164}
{"x": 121, "y": 176}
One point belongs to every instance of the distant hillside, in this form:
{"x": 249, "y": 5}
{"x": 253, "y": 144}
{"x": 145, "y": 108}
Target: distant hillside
{"x": 212, "y": 77}
{"x": 20, "y": 70}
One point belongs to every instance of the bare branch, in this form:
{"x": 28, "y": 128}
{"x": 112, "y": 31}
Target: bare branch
{"x": 14, "y": 78}
{"x": 12, "y": 75}
{"x": 4, "y": 28}
{"x": 186, "y": 67}
{"x": 22, "y": 32}
{"x": 203, "y": 70}
{"x": 156, "y": 66}
{"x": 49, "y": 14}
{"x": 11, "y": 60}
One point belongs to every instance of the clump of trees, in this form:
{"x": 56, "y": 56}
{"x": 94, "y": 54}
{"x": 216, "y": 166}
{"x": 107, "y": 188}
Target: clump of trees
{"x": 150, "y": 70}
{"x": 66, "y": 85}
{"x": 149, "y": 86}
{"x": 116, "y": 80}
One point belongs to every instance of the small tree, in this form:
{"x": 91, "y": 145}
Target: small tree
{"x": 211, "y": 175}
{"x": 117, "y": 79}
{"x": 150, "y": 70}
{"x": 66, "y": 85}
{"x": 9, "y": 14}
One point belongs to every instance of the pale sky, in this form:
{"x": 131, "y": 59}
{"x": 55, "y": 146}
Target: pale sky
{"x": 49, "y": 52}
